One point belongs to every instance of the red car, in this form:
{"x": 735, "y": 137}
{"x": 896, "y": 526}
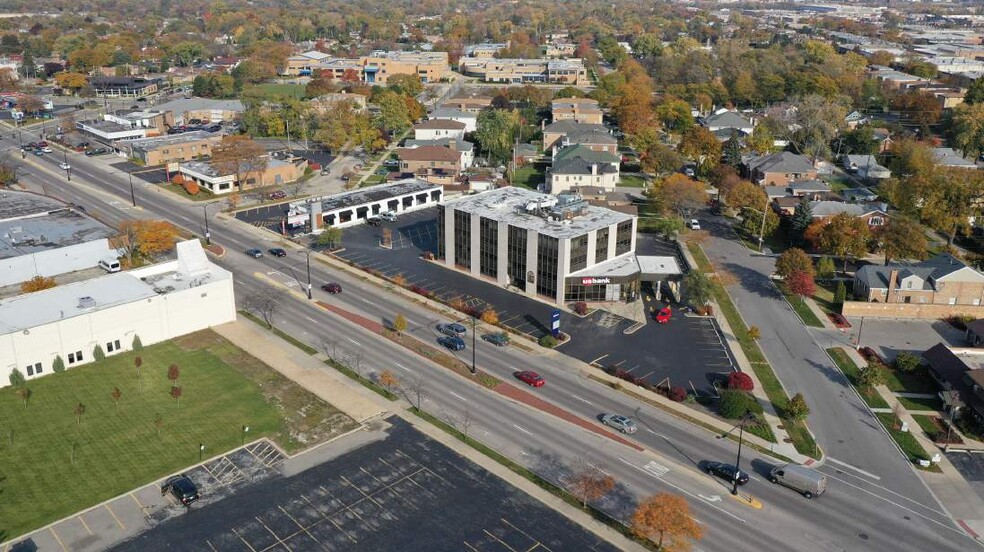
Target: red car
{"x": 530, "y": 378}
{"x": 664, "y": 315}
{"x": 332, "y": 288}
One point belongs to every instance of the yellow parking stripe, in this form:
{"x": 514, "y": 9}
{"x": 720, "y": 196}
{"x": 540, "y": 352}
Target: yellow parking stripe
{"x": 110, "y": 510}
{"x": 60, "y": 543}
{"x": 84, "y": 524}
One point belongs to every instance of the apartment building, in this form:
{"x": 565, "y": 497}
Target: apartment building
{"x": 579, "y": 110}
{"x": 523, "y": 71}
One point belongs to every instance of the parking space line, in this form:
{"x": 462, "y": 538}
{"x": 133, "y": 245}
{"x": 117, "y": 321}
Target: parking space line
{"x": 500, "y": 541}
{"x": 303, "y": 528}
{"x": 244, "y": 540}
{"x": 57, "y": 538}
{"x": 84, "y": 524}
{"x": 525, "y": 534}
{"x": 112, "y": 513}
{"x": 211, "y": 546}
{"x": 470, "y": 547}
{"x": 595, "y": 361}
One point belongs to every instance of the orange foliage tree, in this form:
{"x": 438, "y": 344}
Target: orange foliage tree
{"x": 144, "y": 237}
{"x": 665, "y": 519}
{"x": 37, "y": 283}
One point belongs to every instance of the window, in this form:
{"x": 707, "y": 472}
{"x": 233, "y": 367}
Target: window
{"x": 30, "y": 370}
{"x": 579, "y": 253}
{"x": 488, "y": 247}
{"x": 37, "y": 368}
{"x": 71, "y": 358}
{"x": 601, "y": 246}
{"x": 516, "y": 256}
{"x": 952, "y": 301}
{"x": 623, "y": 237}
{"x": 113, "y": 346}
{"x": 908, "y": 285}
{"x": 462, "y": 239}
{"x": 546, "y": 265}
{"x": 440, "y": 229}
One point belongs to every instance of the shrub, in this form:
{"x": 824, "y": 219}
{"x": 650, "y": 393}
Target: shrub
{"x": 16, "y": 378}
{"x": 37, "y": 283}
{"x": 137, "y": 344}
{"x": 735, "y": 403}
{"x": 677, "y": 394}
{"x": 178, "y": 179}
{"x": 548, "y": 341}
{"x": 581, "y": 308}
{"x": 796, "y": 408}
{"x": 740, "y": 381}
{"x": 907, "y": 362}
{"x": 97, "y": 353}
{"x": 826, "y": 268}
{"x": 871, "y": 375}
{"x": 191, "y": 187}
{"x": 58, "y": 365}
{"x": 840, "y": 293}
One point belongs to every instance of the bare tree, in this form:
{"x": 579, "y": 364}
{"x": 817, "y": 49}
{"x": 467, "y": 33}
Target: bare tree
{"x": 295, "y": 187}
{"x": 330, "y": 346}
{"x": 355, "y": 361}
{"x": 264, "y": 303}
{"x": 239, "y": 155}
{"x": 462, "y": 422}
{"x": 413, "y": 392}
{"x": 588, "y": 483}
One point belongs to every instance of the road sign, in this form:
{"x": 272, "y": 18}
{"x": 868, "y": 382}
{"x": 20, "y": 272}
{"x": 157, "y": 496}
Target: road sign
{"x": 555, "y": 322}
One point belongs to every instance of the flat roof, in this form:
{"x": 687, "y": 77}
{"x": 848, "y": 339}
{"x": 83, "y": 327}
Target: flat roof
{"x": 69, "y": 300}
{"x": 510, "y": 205}
{"x": 355, "y": 198}
{"x": 31, "y": 223}
{"x": 109, "y": 126}
{"x": 624, "y": 265}
{"x": 171, "y": 139}
{"x": 200, "y": 104}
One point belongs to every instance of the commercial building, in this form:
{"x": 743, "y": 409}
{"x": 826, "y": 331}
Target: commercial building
{"x": 323, "y": 103}
{"x": 376, "y": 68}
{"x": 354, "y": 207}
{"x": 124, "y": 87}
{"x": 203, "y": 109}
{"x": 488, "y": 50}
{"x": 109, "y": 131}
{"x": 276, "y": 172}
{"x": 558, "y": 248}
{"x": 520, "y": 71}
{"x": 171, "y": 148}
{"x": 154, "y": 303}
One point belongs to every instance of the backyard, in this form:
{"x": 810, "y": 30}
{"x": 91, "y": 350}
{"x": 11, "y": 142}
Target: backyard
{"x": 528, "y": 176}
{"x": 57, "y": 457}
{"x": 274, "y": 90}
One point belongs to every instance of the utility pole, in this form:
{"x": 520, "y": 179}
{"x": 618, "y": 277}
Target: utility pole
{"x": 308, "y": 255}
{"x": 287, "y": 123}
{"x": 474, "y": 370}
{"x": 133, "y": 198}
{"x": 741, "y": 433}
{"x": 765, "y": 209}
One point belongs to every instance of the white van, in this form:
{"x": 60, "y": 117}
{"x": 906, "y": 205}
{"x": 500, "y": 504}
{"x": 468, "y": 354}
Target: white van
{"x": 110, "y": 264}
{"x": 809, "y": 482}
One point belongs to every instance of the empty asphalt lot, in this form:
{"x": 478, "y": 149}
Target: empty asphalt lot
{"x": 404, "y": 492}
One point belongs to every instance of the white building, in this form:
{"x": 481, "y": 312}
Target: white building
{"x": 439, "y": 129}
{"x": 469, "y": 119}
{"x": 356, "y": 206}
{"x": 156, "y": 303}
{"x": 207, "y": 176}
{"x": 110, "y": 131}
{"x": 558, "y": 248}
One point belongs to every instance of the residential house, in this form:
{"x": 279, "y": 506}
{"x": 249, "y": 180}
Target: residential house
{"x": 467, "y": 149}
{"x": 724, "y": 122}
{"x": 437, "y": 129}
{"x": 555, "y": 133}
{"x": 435, "y": 164}
{"x": 960, "y": 378}
{"x": 582, "y": 166}
{"x": 579, "y": 110}
{"x": 471, "y": 104}
{"x": 854, "y": 119}
{"x": 171, "y": 148}
{"x": 469, "y": 119}
{"x": 865, "y": 166}
{"x": 277, "y": 172}
{"x": 523, "y": 154}
{"x": 858, "y": 195}
{"x": 884, "y": 138}
{"x": 812, "y": 188}
{"x": 946, "y": 157}
{"x": 941, "y": 280}
{"x": 975, "y": 333}
{"x": 875, "y": 214}
{"x": 592, "y": 139}
{"x": 778, "y": 169}
{"x": 124, "y": 87}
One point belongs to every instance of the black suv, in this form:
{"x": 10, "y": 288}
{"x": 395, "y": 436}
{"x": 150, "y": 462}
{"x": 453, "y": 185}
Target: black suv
{"x": 182, "y": 488}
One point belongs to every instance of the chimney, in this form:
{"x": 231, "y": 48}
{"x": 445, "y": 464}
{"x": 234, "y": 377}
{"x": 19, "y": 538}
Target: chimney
{"x": 594, "y": 169}
{"x": 893, "y": 282}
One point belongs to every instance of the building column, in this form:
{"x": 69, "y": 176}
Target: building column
{"x": 563, "y": 267}
{"x": 449, "y": 233}
{"x": 531, "y": 250}
{"x": 476, "y": 245}
{"x": 592, "y": 247}
{"x": 502, "y": 253}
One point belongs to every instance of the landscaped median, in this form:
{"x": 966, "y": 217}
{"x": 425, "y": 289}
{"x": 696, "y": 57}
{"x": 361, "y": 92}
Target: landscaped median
{"x": 797, "y": 430}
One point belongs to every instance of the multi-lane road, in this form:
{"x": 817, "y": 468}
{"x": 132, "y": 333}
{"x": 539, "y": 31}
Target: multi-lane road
{"x": 880, "y": 506}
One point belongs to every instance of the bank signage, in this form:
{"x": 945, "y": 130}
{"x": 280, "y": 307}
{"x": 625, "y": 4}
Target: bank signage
{"x": 595, "y": 281}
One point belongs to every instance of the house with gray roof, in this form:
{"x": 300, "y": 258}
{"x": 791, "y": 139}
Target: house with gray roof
{"x": 582, "y": 166}
{"x": 724, "y": 121}
{"x": 875, "y": 214}
{"x": 778, "y": 169}
{"x": 865, "y": 166}
{"x": 946, "y": 157}
{"x": 941, "y": 280}
{"x": 555, "y": 132}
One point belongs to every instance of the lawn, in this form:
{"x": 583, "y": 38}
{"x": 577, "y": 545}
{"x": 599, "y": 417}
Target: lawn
{"x": 933, "y": 403}
{"x": 846, "y": 365}
{"x": 803, "y": 311}
{"x": 927, "y": 423}
{"x": 910, "y": 446}
{"x": 824, "y": 297}
{"x": 274, "y": 90}
{"x": 118, "y": 448}
{"x": 633, "y": 181}
{"x": 528, "y": 176}
{"x": 918, "y": 381}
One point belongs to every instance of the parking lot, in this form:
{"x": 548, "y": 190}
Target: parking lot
{"x": 404, "y": 492}
{"x": 971, "y": 468}
{"x": 266, "y": 216}
{"x": 126, "y": 516}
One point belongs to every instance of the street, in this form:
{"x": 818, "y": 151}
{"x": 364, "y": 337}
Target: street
{"x": 875, "y": 501}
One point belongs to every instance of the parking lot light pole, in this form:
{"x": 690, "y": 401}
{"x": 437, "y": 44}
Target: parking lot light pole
{"x": 741, "y": 433}
{"x": 473, "y": 369}
{"x": 208, "y": 235}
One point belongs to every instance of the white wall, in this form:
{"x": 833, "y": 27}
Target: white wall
{"x": 54, "y": 261}
{"x": 437, "y": 133}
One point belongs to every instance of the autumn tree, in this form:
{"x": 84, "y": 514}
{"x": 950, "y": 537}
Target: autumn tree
{"x": 400, "y": 324}
{"x": 343, "y": 126}
{"x": 967, "y": 122}
{"x": 952, "y": 200}
{"x": 794, "y": 260}
{"x": 496, "y": 130}
{"x": 703, "y": 147}
{"x": 115, "y": 394}
{"x": 394, "y": 114}
{"x": 37, "y": 283}
{"x": 319, "y": 86}
{"x": 144, "y": 237}
{"x": 71, "y": 80}
{"x": 389, "y": 380}
{"x": 173, "y": 373}
{"x": 799, "y": 284}
{"x": 24, "y": 393}
{"x": 30, "y": 104}
{"x": 811, "y": 123}
{"x": 844, "y": 235}
{"x": 176, "y": 392}
{"x": 919, "y": 107}
{"x": 239, "y": 155}
{"x": 654, "y": 156}
{"x": 682, "y": 195}
{"x": 975, "y": 92}
{"x": 490, "y": 316}
{"x": 796, "y": 408}
{"x": 745, "y": 194}
{"x": 588, "y": 483}
{"x": 902, "y": 238}
{"x": 665, "y": 520}
{"x": 79, "y": 412}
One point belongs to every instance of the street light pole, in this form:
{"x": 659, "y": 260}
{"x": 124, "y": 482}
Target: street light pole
{"x": 949, "y": 428}
{"x": 765, "y": 209}
{"x": 308, "y": 255}
{"x": 474, "y": 370}
{"x": 245, "y": 431}
{"x": 208, "y": 235}
{"x": 68, "y": 169}
{"x": 133, "y": 198}
{"x": 201, "y": 451}
{"x": 741, "y": 433}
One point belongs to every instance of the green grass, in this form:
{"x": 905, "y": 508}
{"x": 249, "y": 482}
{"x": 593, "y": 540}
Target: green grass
{"x": 927, "y": 424}
{"x": 911, "y": 403}
{"x": 633, "y": 181}
{"x": 851, "y": 370}
{"x": 838, "y": 184}
{"x": 803, "y": 311}
{"x": 120, "y": 448}
{"x": 203, "y": 193}
{"x": 282, "y": 335}
{"x": 760, "y": 365}
{"x": 528, "y": 176}
{"x": 918, "y": 381}
{"x": 906, "y": 441}
{"x": 824, "y": 298}
{"x": 373, "y": 180}
{"x": 274, "y": 90}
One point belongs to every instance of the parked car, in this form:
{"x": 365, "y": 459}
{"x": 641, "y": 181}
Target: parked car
{"x": 689, "y": 171}
{"x": 620, "y": 423}
{"x": 453, "y": 329}
{"x": 278, "y": 252}
{"x": 388, "y": 216}
{"x": 64, "y": 166}
{"x": 391, "y": 163}
{"x": 452, "y": 343}
{"x": 46, "y": 149}
{"x": 664, "y": 315}
{"x": 279, "y": 194}
{"x": 39, "y": 153}
{"x": 499, "y": 339}
{"x": 374, "y": 221}
{"x": 332, "y": 288}
{"x": 214, "y": 128}
{"x": 95, "y": 151}
{"x": 726, "y": 472}
{"x": 255, "y": 253}
{"x": 346, "y": 177}
{"x": 325, "y": 170}
{"x": 694, "y": 224}
{"x": 182, "y": 488}
{"x": 530, "y": 378}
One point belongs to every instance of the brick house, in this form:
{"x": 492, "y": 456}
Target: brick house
{"x": 555, "y": 133}
{"x": 435, "y": 164}
{"x": 778, "y": 169}
{"x": 875, "y": 214}
{"x": 941, "y": 280}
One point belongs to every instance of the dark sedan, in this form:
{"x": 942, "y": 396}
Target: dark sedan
{"x": 182, "y": 488}
{"x": 278, "y": 252}
{"x": 332, "y": 288}
{"x": 453, "y": 343}
{"x": 726, "y": 472}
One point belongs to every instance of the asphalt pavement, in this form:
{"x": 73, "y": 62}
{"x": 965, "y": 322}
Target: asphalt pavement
{"x": 862, "y": 511}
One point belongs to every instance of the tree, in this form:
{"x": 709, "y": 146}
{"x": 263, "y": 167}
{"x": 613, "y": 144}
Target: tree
{"x": 796, "y": 408}
{"x": 682, "y": 195}
{"x": 496, "y": 129}
{"x": 665, "y": 519}
{"x": 745, "y": 194}
{"x": 871, "y": 376}
{"x": 666, "y": 227}
{"x": 732, "y": 150}
{"x": 975, "y": 92}
{"x": 811, "y": 123}
{"x": 902, "y": 238}
{"x": 860, "y": 141}
{"x": 159, "y": 424}
{"x": 239, "y": 155}
{"x": 389, "y": 380}
{"x": 588, "y": 483}
{"x": 16, "y": 378}
{"x": 754, "y": 333}
{"x": 116, "y": 394}
{"x": 58, "y": 365}
{"x": 79, "y": 412}
{"x": 825, "y": 268}
{"x": 137, "y": 344}
{"x": 147, "y": 238}
{"x": 952, "y": 200}
{"x": 394, "y": 115}
{"x": 800, "y": 284}
{"x": 919, "y": 107}
{"x": 24, "y": 393}
{"x": 319, "y": 86}
{"x": 844, "y": 235}
{"x": 97, "y": 353}
{"x": 176, "y": 392}
{"x": 37, "y": 283}
{"x": 173, "y": 373}
{"x": 907, "y": 362}
{"x": 654, "y": 156}
{"x": 31, "y": 104}
{"x": 71, "y": 80}
{"x": 400, "y": 324}
{"x": 329, "y": 238}
{"x": 967, "y": 127}
{"x": 740, "y": 381}
{"x": 801, "y": 220}
{"x": 406, "y": 84}
{"x": 794, "y": 260}
{"x": 840, "y": 293}
{"x": 698, "y": 288}
{"x": 489, "y": 316}
{"x": 264, "y": 303}
{"x": 703, "y": 147}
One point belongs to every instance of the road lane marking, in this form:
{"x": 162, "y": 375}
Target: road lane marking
{"x": 404, "y": 367}
{"x": 712, "y": 498}
{"x": 859, "y": 470}
{"x": 311, "y": 319}
{"x": 459, "y": 396}
{"x": 682, "y": 490}
{"x": 357, "y": 344}
{"x": 580, "y": 399}
{"x": 523, "y": 430}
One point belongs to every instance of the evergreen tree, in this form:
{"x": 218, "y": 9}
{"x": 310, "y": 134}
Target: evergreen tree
{"x": 732, "y": 150}
{"x": 801, "y": 219}
{"x": 975, "y": 93}
{"x": 28, "y": 66}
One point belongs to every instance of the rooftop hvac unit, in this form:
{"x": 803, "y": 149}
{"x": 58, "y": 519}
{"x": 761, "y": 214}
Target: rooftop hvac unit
{"x": 87, "y": 302}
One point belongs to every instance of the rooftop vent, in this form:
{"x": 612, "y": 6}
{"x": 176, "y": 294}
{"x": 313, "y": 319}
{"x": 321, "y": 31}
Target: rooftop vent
{"x": 87, "y": 302}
